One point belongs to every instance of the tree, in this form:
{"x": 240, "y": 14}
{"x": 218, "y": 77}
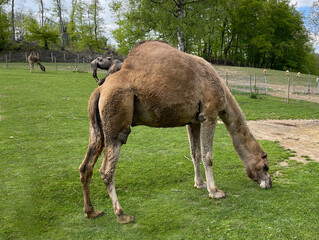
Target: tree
{"x": 95, "y": 9}
{"x": 45, "y": 34}
{"x": 4, "y": 28}
{"x": 71, "y": 29}
{"x": 84, "y": 27}
{"x": 61, "y": 24}
{"x": 169, "y": 19}
{"x": 12, "y": 20}
{"x": 314, "y": 17}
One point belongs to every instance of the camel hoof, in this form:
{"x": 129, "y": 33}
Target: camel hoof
{"x": 217, "y": 195}
{"x": 123, "y": 219}
{"x": 202, "y": 185}
{"x": 95, "y": 214}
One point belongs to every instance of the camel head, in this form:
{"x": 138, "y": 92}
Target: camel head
{"x": 257, "y": 169}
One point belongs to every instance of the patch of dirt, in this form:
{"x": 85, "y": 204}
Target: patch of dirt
{"x": 300, "y": 136}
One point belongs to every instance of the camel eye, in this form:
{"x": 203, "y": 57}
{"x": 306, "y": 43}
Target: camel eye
{"x": 264, "y": 156}
{"x": 266, "y": 168}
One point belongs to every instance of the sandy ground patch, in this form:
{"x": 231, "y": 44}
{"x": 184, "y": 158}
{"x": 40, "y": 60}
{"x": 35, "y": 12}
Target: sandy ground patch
{"x": 301, "y": 136}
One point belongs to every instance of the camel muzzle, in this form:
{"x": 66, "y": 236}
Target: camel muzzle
{"x": 266, "y": 184}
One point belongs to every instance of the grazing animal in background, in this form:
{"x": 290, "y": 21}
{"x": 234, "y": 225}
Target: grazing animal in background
{"x": 101, "y": 63}
{"x": 298, "y": 74}
{"x": 265, "y": 72}
{"x": 160, "y": 86}
{"x": 287, "y": 72}
{"x": 33, "y": 58}
{"x": 116, "y": 66}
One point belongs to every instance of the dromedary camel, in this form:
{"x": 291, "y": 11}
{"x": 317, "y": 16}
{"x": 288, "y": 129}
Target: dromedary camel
{"x": 160, "y": 86}
{"x": 33, "y": 58}
{"x": 101, "y": 63}
{"x": 116, "y": 66}
{"x": 106, "y": 64}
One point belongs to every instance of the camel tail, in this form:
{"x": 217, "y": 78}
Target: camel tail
{"x": 41, "y": 66}
{"x": 96, "y": 135}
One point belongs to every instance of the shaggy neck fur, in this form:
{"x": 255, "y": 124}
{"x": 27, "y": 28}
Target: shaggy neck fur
{"x": 244, "y": 142}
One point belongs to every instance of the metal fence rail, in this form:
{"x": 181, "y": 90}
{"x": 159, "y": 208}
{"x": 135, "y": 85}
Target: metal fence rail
{"x": 296, "y": 87}
{"x": 252, "y": 83}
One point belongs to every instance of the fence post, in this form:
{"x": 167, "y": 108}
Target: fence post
{"x": 64, "y": 57}
{"x": 227, "y": 79}
{"x": 266, "y": 84}
{"x": 7, "y": 61}
{"x": 26, "y": 57}
{"x": 255, "y": 83}
{"x": 308, "y": 82}
{"x": 288, "y": 89}
{"x": 51, "y": 57}
{"x": 56, "y": 66}
{"x": 251, "y": 88}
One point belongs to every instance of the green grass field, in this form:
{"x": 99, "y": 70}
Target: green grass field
{"x": 44, "y": 137}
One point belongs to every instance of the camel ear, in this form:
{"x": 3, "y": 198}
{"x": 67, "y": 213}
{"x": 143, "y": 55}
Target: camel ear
{"x": 264, "y": 156}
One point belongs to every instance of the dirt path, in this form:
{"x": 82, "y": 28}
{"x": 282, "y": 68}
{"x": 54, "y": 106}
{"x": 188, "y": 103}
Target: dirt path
{"x": 301, "y": 136}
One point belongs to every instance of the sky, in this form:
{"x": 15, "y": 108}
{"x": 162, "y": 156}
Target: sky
{"x": 301, "y": 5}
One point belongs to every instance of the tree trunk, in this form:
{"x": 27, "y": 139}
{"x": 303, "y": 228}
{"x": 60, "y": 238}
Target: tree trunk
{"x": 59, "y": 8}
{"x": 12, "y": 22}
{"x": 180, "y": 33}
{"x": 95, "y": 21}
{"x": 236, "y": 50}
{"x": 222, "y": 42}
{"x": 42, "y": 12}
{"x": 227, "y": 48}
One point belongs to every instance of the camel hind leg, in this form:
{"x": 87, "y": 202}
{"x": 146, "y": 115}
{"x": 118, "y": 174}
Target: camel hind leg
{"x": 86, "y": 170}
{"x": 31, "y": 66}
{"x": 107, "y": 172}
{"x": 95, "y": 147}
{"x": 117, "y": 115}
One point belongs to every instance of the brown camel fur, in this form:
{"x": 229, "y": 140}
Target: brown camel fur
{"x": 33, "y": 58}
{"x": 160, "y": 86}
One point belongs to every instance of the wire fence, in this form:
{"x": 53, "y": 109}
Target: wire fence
{"x": 255, "y": 83}
{"x": 252, "y": 83}
{"x": 298, "y": 88}
{"x": 55, "y": 60}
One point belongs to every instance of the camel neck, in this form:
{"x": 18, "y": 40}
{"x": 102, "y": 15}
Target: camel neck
{"x": 244, "y": 142}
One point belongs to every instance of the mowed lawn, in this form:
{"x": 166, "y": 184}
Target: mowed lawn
{"x": 44, "y": 137}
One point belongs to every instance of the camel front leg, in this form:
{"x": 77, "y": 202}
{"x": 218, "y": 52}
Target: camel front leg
{"x": 94, "y": 74}
{"x": 194, "y": 142}
{"x": 107, "y": 172}
{"x": 207, "y": 134}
